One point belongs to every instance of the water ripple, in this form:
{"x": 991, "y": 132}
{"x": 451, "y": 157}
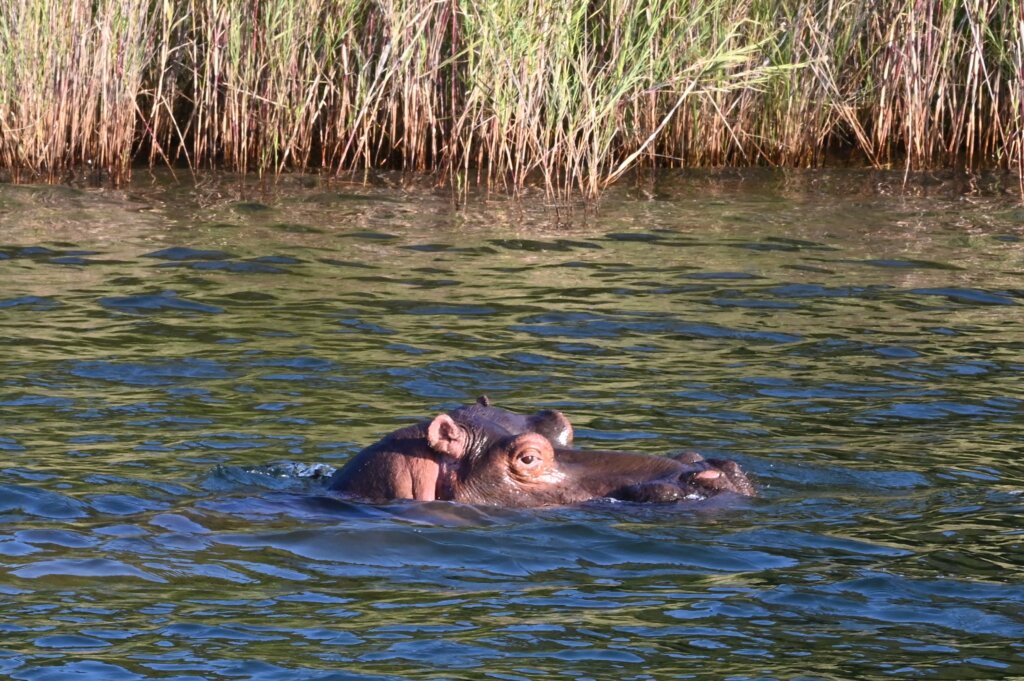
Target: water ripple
{"x": 169, "y": 411}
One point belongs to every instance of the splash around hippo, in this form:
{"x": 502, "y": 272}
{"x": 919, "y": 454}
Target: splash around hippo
{"x": 481, "y": 454}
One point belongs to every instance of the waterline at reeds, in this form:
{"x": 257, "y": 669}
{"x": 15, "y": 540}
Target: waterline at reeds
{"x": 563, "y": 93}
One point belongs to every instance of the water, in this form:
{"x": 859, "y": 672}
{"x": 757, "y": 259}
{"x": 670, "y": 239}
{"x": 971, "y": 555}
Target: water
{"x": 181, "y": 363}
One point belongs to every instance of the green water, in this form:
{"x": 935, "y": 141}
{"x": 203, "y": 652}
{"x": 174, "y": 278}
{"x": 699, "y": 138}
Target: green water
{"x": 181, "y": 361}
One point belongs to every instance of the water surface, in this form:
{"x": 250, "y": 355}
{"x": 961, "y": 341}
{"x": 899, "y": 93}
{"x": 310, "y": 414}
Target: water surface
{"x": 181, "y": 363}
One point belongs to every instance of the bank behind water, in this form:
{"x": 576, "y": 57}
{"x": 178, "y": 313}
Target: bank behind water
{"x": 564, "y": 93}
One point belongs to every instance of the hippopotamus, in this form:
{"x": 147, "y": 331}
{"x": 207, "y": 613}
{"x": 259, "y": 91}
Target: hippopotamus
{"x": 526, "y": 470}
{"x": 419, "y": 461}
{"x": 484, "y": 455}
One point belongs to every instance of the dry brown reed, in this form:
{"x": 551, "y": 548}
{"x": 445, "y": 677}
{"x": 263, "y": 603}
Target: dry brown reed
{"x": 568, "y": 94}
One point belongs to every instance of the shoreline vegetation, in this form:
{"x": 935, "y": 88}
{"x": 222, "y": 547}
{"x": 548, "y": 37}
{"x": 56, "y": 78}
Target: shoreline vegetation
{"x": 565, "y": 94}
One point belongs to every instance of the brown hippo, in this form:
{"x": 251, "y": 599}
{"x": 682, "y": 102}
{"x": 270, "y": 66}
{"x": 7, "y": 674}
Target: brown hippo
{"x": 484, "y": 455}
{"x": 417, "y": 462}
{"x": 526, "y": 470}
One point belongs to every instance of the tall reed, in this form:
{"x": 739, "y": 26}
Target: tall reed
{"x": 566, "y": 93}
{"x": 70, "y": 74}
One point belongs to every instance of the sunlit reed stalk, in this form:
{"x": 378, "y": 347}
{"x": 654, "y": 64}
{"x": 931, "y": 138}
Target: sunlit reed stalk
{"x": 567, "y": 94}
{"x": 70, "y": 75}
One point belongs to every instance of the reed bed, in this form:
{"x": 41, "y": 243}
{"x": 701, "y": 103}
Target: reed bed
{"x": 566, "y": 94}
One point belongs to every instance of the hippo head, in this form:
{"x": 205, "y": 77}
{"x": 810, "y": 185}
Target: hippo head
{"x": 527, "y": 470}
{"x": 482, "y": 415}
{"x": 422, "y": 461}
{"x": 480, "y": 454}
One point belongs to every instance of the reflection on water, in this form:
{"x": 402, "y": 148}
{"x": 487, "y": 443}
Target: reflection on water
{"x": 183, "y": 364}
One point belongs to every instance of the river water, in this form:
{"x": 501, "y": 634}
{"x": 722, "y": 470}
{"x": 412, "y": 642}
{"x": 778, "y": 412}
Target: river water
{"x": 182, "y": 362}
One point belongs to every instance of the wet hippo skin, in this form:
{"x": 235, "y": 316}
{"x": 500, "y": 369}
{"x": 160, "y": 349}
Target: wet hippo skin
{"x": 527, "y": 471}
{"x": 420, "y": 461}
{"x": 481, "y": 454}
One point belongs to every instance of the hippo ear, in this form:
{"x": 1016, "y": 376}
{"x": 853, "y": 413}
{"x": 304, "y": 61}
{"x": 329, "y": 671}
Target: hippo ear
{"x": 483, "y": 401}
{"x": 447, "y": 437}
{"x": 553, "y": 425}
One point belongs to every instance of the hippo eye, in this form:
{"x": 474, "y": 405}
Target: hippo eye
{"x": 529, "y": 457}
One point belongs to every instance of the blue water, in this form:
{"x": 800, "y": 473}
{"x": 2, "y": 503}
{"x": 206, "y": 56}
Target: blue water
{"x": 182, "y": 364}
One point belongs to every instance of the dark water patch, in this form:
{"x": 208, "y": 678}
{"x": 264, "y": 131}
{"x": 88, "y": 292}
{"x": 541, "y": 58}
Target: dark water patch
{"x": 725, "y": 276}
{"x": 815, "y": 482}
{"x": 800, "y": 243}
{"x": 277, "y": 260}
{"x": 898, "y": 263}
{"x": 452, "y": 309}
{"x": 165, "y": 372}
{"x": 836, "y": 347}
{"x": 238, "y": 441}
{"x": 475, "y": 250}
{"x": 250, "y": 297}
{"x": 252, "y": 207}
{"x": 39, "y": 503}
{"x": 768, "y": 246}
{"x": 24, "y": 474}
{"x": 229, "y": 266}
{"x": 583, "y": 325}
{"x": 369, "y": 236}
{"x": 576, "y": 243}
{"x": 297, "y": 228}
{"x": 644, "y": 237}
{"x": 407, "y": 349}
{"x": 849, "y": 606}
{"x": 483, "y": 554}
{"x": 275, "y": 406}
{"x": 71, "y": 260}
{"x": 72, "y": 642}
{"x": 33, "y": 302}
{"x": 37, "y": 401}
{"x": 65, "y": 538}
{"x": 35, "y": 252}
{"x": 967, "y": 296}
{"x": 532, "y": 245}
{"x": 90, "y": 568}
{"x": 158, "y": 302}
{"x": 8, "y": 444}
{"x": 158, "y": 488}
{"x": 534, "y": 359}
{"x": 577, "y": 264}
{"x": 186, "y": 253}
{"x": 840, "y": 390}
{"x": 346, "y": 263}
{"x": 819, "y": 291}
{"x": 303, "y": 363}
{"x": 813, "y": 269}
{"x": 443, "y": 271}
{"x": 932, "y": 411}
{"x": 124, "y": 504}
{"x": 429, "y": 248}
{"x": 429, "y": 283}
{"x": 753, "y": 304}
{"x": 580, "y": 348}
